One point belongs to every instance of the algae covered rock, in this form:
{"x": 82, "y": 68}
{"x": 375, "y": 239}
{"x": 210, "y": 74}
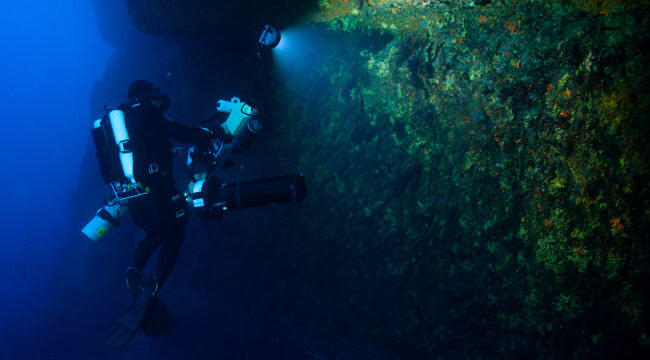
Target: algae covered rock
{"x": 486, "y": 176}
{"x": 199, "y": 21}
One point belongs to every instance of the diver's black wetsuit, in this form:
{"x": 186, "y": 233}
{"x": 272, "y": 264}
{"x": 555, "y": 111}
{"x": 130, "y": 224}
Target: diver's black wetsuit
{"x": 163, "y": 212}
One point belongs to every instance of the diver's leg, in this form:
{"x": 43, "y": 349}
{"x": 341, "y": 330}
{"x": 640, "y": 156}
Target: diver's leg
{"x": 159, "y": 320}
{"x": 144, "y": 250}
{"x": 125, "y": 326}
{"x": 171, "y": 241}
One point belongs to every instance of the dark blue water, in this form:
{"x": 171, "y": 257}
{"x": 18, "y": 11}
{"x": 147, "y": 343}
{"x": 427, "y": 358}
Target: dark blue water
{"x": 53, "y": 61}
{"x": 51, "y": 56}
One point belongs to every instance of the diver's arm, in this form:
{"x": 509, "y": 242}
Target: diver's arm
{"x": 191, "y": 135}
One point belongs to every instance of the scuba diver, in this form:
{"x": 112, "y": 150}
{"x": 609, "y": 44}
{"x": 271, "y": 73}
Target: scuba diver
{"x": 135, "y": 152}
{"x": 162, "y": 213}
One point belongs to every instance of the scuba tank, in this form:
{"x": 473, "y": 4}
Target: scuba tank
{"x": 107, "y": 218}
{"x": 114, "y": 155}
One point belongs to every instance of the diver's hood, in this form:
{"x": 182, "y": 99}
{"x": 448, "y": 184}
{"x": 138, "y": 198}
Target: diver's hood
{"x": 157, "y": 99}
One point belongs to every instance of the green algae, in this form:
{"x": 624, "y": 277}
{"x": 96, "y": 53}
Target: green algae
{"x": 497, "y": 146}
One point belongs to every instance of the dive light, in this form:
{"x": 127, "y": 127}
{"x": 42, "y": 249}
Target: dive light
{"x": 270, "y": 38}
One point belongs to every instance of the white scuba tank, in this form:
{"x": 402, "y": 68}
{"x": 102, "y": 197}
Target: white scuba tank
{"x": 122, "y": 140}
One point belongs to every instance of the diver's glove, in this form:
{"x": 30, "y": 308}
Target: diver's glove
{"x": 217, "y": 133}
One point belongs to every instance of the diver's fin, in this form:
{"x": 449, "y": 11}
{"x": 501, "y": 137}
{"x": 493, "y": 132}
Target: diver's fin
{"x": 159, "y": 320}
{"x": 122, "y": 329}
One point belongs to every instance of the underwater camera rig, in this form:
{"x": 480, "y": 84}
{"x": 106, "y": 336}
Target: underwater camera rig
{"x": 207, "y": 194}
{"x": 212, "y": 197}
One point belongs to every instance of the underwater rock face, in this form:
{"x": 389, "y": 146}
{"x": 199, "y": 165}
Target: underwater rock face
{"x": 476, "y": 172}
{"x": 199, "y": 21}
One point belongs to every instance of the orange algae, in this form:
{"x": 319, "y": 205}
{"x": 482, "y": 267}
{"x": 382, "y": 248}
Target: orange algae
{"x": 617, "y": 227}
